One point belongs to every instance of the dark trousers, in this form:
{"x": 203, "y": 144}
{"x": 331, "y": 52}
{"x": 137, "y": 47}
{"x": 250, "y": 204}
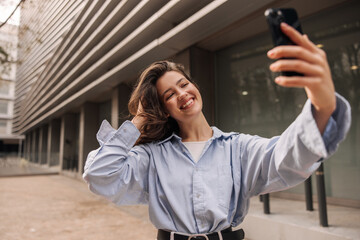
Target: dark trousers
{"x": 227, "y": 234}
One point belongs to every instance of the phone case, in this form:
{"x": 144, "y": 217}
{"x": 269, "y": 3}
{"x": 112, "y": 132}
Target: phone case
{"x": 274, "y": 17}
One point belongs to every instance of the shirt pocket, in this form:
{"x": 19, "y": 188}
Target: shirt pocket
{"x": 225, "y": 186}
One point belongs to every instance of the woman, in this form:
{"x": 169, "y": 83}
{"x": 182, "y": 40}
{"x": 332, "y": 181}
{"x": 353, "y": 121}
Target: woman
{"x": 197, "y": 179}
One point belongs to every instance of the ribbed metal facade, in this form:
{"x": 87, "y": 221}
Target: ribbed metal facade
{"x": 45, "y": 28}
{"x": 71, "y": 51}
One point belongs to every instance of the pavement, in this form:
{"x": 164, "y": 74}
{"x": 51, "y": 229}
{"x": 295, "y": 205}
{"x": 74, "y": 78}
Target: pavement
{"x": 56, "y": 207}
{"x": 36, "y": 203}
{"x": 11, "y": 166}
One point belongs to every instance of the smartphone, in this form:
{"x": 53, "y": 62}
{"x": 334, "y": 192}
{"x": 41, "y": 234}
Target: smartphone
{"x": 274, "y": 17}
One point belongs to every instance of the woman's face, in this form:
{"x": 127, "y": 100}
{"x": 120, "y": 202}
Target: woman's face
{"x": 182, "y": 100}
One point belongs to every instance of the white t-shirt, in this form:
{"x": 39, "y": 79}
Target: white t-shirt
{"x": 195, "y": 148}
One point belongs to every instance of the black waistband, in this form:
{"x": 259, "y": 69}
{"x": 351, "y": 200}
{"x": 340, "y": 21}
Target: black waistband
{"x": 227, "y": 234}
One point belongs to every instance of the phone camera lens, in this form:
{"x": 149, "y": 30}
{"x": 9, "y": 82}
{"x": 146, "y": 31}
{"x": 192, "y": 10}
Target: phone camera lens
{"x": 270, "y": 12}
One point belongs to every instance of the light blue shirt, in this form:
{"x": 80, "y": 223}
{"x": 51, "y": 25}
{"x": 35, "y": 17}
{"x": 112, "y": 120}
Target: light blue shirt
{"x": 214, "y": 193}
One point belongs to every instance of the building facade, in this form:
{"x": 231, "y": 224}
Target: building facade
{"x": 9, "y": 143}
{"x": 80, "y": 59}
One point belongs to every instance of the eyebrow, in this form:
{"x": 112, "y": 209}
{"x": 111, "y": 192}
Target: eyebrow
{"x": 177, "y": 83}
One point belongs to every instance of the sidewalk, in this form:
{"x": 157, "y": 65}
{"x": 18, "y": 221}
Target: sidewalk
{"x": 57, "y": 207}
{"x": 13, "y": 167}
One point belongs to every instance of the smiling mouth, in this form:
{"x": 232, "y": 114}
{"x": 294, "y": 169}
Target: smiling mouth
{"x": 187, "y": 104}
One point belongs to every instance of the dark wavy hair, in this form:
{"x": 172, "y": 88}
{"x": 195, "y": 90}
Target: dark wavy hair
{"x": 158, "y": 125}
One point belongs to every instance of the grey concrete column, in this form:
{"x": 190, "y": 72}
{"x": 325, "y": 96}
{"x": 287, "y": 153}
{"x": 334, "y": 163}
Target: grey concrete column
{"x": 20, "y": 153}
{"x": 43, "y": 144}
{"x": 115, "y": 108}
{"x": 33, "y": 157}
{"x": 28, "y": 150}
{"x": 37, "y": 143}
{"x": 53, "y": 142}
{"x": 48, "y": 150}
{"x": 62, "y": 140}
{"x": 124, "y": 92}
{"x": 40, "y": 144}
{"x": 88, "y": 128}
{"x": 26, "y": 140}
{"x": 69, "y": 142}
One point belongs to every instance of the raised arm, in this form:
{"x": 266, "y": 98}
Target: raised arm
{"x": 275, "y": 164}
{"x": 117, "y": 170}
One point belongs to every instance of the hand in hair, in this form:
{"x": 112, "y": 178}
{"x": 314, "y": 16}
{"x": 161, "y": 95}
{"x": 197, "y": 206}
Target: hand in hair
{"x": 138, "y": 120}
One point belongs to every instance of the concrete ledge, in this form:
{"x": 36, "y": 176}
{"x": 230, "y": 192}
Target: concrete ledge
{"x": 290, "y": 220}
{"x": 14, "y": 167}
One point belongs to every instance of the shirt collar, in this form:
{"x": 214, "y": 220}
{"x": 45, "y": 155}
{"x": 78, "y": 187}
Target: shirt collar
{"x": 173, "y": 135}
{"x": 217, "y": 133}
{"x": 220, "y": 134}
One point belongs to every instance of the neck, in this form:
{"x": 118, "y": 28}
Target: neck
{"x": 197, "y": 129}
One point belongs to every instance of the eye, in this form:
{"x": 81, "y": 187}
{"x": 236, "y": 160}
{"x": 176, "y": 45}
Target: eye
{"x": 184, "y": 84}
{"x": 169, "y": 96}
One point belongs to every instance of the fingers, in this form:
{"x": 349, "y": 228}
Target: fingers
{"x": 295, "y": 81}
{"x": 304, "y": 48}
{"x": 296, "y": 65}
{"x": 298, "y": 52}
{"x": 304, "y": 57}
{"x": 297, "y": 38}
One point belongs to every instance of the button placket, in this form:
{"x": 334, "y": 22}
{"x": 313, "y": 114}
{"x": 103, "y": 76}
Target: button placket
{"x": 198, "y": 199}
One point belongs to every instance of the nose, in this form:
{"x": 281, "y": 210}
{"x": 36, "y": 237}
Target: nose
{"x": 182, "y": 94}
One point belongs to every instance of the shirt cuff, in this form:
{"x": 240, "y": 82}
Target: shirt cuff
{"x": 309, "y": 132}
{"x": 127, "y": 134}
{"x": 338, "y": 125}
{"x": 335, "y": 131}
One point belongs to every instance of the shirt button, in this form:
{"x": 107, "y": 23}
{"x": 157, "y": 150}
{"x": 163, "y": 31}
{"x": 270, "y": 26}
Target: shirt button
{"x": 198, "y": 195}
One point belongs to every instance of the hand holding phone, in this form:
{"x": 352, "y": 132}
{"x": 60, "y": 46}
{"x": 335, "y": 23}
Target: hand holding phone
{"x": 274, "y": 17}
{"x": 304, "y": 56}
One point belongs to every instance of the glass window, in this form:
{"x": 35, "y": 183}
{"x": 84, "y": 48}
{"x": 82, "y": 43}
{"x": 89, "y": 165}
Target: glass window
{"x": 249, "y": 101}
{"x": 3, "y": 107}
{"x": 3, "y": 126}
{"x": 4, "y": 87}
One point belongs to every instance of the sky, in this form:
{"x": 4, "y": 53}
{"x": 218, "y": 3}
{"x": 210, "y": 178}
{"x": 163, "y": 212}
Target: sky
{"x": 6, "y": 8}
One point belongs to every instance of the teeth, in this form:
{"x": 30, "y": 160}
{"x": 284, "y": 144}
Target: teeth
{"x": 187, "y": 104}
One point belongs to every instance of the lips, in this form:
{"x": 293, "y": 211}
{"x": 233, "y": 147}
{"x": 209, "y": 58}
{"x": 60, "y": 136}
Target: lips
{"x": 187, "y": 104}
